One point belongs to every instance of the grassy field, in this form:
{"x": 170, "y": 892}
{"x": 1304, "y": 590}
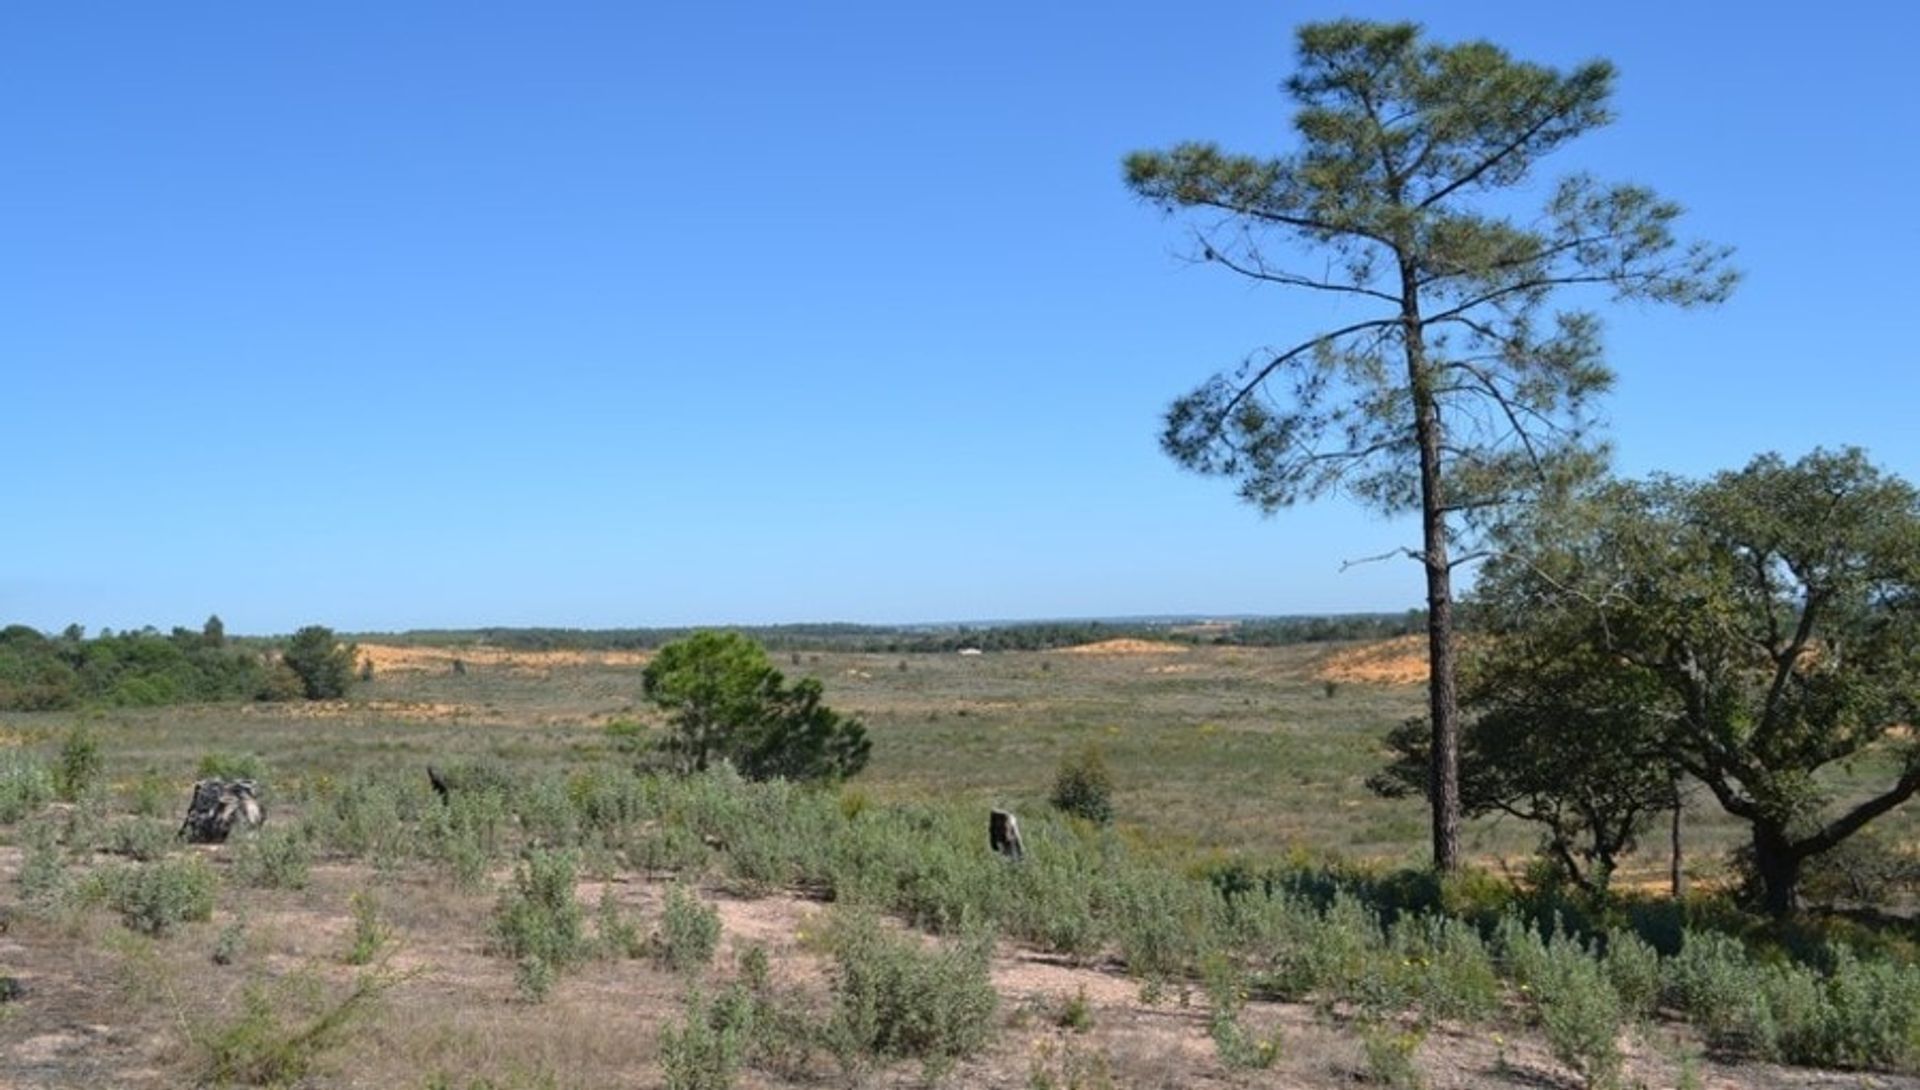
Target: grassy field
{"x": 561, "y": 922}
{"x": 1242, "y": 750}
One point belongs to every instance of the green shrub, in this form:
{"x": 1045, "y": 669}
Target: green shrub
{"x": 1633, "y": 968}
{"x": 26, "y": 785}
{"x": 153, "y": 795}
{"x": 1083, "y": 787}
{"x": 234, "y": 766}
{"x": 1226, "y": 998}
{"x": 1076, "y": 1013}
{"x": 539, "y": 918}
{"x": 618, "y": 936}
{"x": 154, "y": 898}
{"x": 79, "y": 765}
{"x": 263, "y": 1047}
{"x": 1389, "y": 1050}
{"x": 370, "y": 932}
{"x": 1448, "y": 971}
{"x": 689, "y": 932}
{"x": 1580, "y": 1014}
{"x": 278, "y": 858}
{"x": 230, "y": 943}
{"x": 44, "y": 878}
{"x": 705, "y": 1050}
{"x": 145, "y": 839}
{"x": 895, "y": 999}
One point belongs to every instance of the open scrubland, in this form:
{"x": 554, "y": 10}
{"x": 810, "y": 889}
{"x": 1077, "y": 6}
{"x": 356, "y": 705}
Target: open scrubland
{"x": 1253, "y": 916}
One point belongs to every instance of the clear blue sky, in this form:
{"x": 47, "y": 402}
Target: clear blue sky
{"x": 396, "y": 315}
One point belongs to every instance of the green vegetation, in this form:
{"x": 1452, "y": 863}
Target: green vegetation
{"x": 1083, "y": 787}
{"x": 727, "y": 703}
{"x": 1747, "y": 631}
{"x": 323, "y": 664}
{"x": 1464, "y": 391}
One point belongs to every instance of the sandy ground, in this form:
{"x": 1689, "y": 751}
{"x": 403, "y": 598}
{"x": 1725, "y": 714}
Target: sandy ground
{"x": 401, "y": 660}
{"x": 1126, "y": 647}
{"x": 1399, "y": 661}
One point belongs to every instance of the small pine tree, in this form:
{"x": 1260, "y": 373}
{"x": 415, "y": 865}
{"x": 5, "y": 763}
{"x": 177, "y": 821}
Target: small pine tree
{"x": 1084, "y": 788}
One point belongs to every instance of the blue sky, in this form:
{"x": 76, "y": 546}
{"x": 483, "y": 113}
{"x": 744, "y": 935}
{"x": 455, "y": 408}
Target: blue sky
{"x": 385, "y": 316}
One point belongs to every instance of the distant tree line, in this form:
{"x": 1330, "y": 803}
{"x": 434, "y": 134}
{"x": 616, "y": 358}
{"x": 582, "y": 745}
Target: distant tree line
{"x": 924, "y": 639}
{"x": 146, "y": 668}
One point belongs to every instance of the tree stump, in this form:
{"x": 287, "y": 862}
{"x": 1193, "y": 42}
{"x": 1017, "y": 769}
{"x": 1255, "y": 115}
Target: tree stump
{"x": 217, "y": 806}
{"x": 1003, "y": 834}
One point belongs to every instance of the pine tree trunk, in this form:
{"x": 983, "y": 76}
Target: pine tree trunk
{"x": 1441, "y": 698}
{"x": 1443, "y": 705}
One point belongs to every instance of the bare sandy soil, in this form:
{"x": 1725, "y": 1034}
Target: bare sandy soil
{"x": 401, "y": 660}
{"x": 1126, "y": 647}
{"x": 1399, "y": 661}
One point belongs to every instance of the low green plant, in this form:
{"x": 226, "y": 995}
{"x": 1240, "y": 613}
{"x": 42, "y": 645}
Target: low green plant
{"x": 1581, "y": 1015}
{"x": 44, "y": 877}
{"x": 1237, "y": 1047}
{"x": 538, "y": 922}
{"x": 155, "y": 898}
{"x": 1061, "y": 1066}
{"x": 26, "y": 784}
{"x": 278, "y": 858}
{"x": 1389, "y": 1050}
{"x": 897, "y": 999}
{"x": 1083, "y": 787}
{"x": 689, "y": 932}
{"x": 370, "y": 933}
{"x": 152, "y": 795}
{"x": 705, "y": 1050}
{"x": 234, "y": 766}
{"x": 619, "y": 936}
{"x": 144, "y": 839}
{"x": 78, "y": 768}
{"x": 1076, "y": 1012}
{"x": 230, "y": 943}
{"x": 264, "y": 1047}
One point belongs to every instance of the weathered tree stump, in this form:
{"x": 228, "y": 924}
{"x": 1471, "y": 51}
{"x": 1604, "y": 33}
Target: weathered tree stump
{"x": 1003, "y": 834}
{"x": 217, "y": 806}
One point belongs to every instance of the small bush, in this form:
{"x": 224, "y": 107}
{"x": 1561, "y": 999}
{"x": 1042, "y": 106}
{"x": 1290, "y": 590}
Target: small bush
{"x": 279, "y": 858}
{"x": 25, "y": 786}
{"x": 79, "y": 764}
{"x": 539, "y": 919}
{"x": 44, "y": 878}
{"x": 1633, "y": 968}
{"x": 705, "y": 1050}
{"x": 231, "y": 942}
{"x": 1226, "y": 997}
{"x": 144, "y": 839}
{"x": 1389, "y": 1051}
{"x": 1580, "y": 1013}
{"x": 618, "y": 936}
{"x": 154, "y": 898}
{"x": 153, "y": 795}
{"x": 370, "y": 932}
{"x": 263, "y": 1048}
{"x": 234, "y": 766}
{"x": 1076, "y": 1013}
{"x": 894, "y": 999}
{"x": 689, "y": 932}
{"x": 1083, "y": 787}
